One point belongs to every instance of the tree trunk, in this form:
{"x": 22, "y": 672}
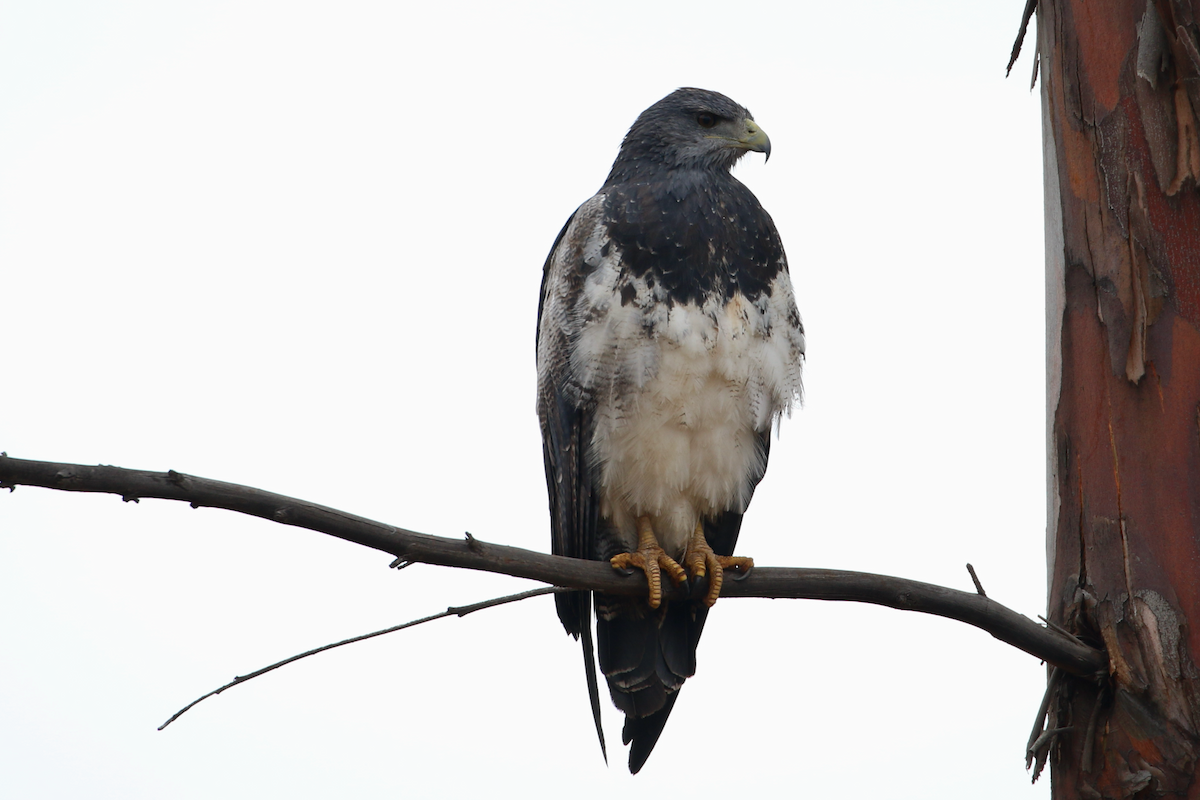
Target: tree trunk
{"x": 1120, "y": 95}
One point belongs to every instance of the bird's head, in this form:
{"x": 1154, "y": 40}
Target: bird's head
{"x": 689, "y": 129}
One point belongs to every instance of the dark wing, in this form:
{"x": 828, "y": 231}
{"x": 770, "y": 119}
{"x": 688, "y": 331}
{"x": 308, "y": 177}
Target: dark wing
{"x": 566, "y": 424}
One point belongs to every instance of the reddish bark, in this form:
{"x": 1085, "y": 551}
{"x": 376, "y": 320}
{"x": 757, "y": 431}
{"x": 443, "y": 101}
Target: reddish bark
{"x": 1120, "y": 90}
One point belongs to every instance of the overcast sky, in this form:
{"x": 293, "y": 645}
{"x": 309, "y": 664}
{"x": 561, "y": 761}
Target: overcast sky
{"x": 298, "y": 246}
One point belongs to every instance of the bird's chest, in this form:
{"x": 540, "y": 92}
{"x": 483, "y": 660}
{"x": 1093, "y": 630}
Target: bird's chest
{"x": 679, "y": 375}
{"x": 680, "y": 393}
{"x": 638, "y": 350}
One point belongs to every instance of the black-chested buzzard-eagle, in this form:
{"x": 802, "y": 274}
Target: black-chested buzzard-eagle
{"x": 668, "y": 344}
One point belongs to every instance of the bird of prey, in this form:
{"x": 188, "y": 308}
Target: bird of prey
{"x": 668, "y": 345}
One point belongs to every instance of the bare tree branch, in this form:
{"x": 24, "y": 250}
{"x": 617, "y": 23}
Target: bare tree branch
{"x": 452, "y": 611}
{"x": 1055, "y": 648}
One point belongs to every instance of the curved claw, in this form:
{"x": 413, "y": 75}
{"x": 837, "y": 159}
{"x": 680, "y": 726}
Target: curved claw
{"x": 700, "y": 560}
{"x": 742, "y": 571}
{"x": 652, "y": 561}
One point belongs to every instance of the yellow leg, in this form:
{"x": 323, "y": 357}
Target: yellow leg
{"x": 701, "y": 560}
{"x": 651, "y": 559}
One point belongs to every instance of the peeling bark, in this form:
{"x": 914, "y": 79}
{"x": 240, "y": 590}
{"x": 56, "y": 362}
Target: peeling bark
{"x": 1120, "y": 89}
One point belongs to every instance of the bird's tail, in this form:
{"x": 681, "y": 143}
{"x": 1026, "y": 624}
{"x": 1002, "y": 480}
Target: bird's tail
{"x": 645, "y": 655}
{"x": 642, "y": 733}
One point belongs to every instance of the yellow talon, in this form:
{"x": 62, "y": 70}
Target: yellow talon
{"x": 651, "y": 559}
{"x": 700, "y": 560}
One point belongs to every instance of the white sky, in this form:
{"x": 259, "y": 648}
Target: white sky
{"x": 298, "y": 246}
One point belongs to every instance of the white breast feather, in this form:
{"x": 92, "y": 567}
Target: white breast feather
{"x": 681, "y": 393}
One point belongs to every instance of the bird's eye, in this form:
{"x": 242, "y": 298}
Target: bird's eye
{"x": 706, "y": 120}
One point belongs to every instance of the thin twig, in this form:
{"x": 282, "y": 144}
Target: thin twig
{"x": 1048, "y": 735}
{"x": 1054, "y": 626}
{"x": 1042, "y": 748}
{"x": 1043, "y": 710}
{"x": 978, "y": 586}
{"x": 460, "y": 611}
{"x": 815, "y": 584}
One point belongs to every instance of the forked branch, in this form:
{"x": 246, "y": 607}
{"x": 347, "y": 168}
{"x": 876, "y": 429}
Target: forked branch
{"x": 1054, "y": 647}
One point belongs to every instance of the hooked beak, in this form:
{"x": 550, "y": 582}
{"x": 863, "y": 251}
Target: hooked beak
{"x": 755, "y": 139}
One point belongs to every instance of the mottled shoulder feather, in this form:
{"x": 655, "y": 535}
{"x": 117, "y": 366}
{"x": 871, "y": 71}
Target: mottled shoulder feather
{"x": 563, "y": 277}
{"x": 565, "y": 420}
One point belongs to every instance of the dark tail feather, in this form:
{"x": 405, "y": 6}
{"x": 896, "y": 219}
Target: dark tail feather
{"x": 646, "y": 656}
{"x": 589, "y": 666}
{"x": 575, "y": 612}
{"x": 642, "y": 733}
